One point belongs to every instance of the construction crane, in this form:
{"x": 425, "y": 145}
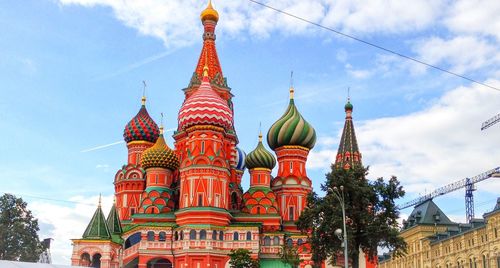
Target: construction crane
{"x": 467, "y": 183}
{"x": 490, "y": 122}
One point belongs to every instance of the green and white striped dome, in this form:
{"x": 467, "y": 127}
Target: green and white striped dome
{"x": 260, "y": 157}
{"x": 291, "y": 129}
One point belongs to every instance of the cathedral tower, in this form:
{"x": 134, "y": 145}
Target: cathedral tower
{"x": 291, "y": 137}
{"x": 348, "y": 154}
{"x": 140, "y": 133}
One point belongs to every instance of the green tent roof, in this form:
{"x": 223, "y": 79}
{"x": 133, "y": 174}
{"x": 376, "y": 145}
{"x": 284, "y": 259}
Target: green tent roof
{"x": 97, "y": 228}
{"x": 113, "y": 221}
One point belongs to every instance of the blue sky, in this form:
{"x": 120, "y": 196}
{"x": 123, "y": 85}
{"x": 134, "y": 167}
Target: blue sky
{"x": 72, "y": 73}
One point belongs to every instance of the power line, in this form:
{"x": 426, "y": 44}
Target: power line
{"x": 51, "y": 199}
{"x": 374, "y": 45}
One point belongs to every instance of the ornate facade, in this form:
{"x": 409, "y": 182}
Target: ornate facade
{"x": 184, "y": 206}
{"x": 434, "y": 241}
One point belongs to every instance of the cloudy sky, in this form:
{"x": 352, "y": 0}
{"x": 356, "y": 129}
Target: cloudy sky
{"x": 72, "y": 73}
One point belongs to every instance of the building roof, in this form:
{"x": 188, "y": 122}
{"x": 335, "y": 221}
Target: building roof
{"x": 427, "y": 213}
{"x": 113, "y": 221}
{"x": 98, "y": 227}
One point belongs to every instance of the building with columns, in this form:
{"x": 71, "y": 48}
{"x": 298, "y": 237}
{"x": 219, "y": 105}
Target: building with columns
{"x": 434, "y": 241}
{"x": 183, "y": 206}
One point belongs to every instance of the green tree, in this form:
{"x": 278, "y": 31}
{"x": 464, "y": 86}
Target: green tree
{"x": 18, "y": 231}
{"x": 240, "y": 258}
{"x": 290, "y": 255}
{"x": 371, "y": 216}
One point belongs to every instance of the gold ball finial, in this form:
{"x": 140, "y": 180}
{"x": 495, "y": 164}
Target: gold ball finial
{"x": 209, "y": 13}
{"x": 143, "y": 100}
{"x": 292, "y": 91}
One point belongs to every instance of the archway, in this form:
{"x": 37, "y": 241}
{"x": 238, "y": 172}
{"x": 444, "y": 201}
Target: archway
{"x": 132, "y": 240}
{"x": 96, "y": 260}
{"x": 159, "y": 263}
{"x": 85, "y": 259}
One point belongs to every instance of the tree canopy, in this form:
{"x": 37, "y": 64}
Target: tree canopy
{"x": 240, "y": 258}
{"x": 18, "y": 231}
{"x": 371, "y": 215}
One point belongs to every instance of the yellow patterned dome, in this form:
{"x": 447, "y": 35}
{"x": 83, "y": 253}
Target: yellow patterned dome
{"x": 159, "y": 155}
{"x": 209, "y": 13}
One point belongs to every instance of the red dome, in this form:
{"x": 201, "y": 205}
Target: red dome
{"x": 141, "y": 127}
{"x": 205, "y": 107}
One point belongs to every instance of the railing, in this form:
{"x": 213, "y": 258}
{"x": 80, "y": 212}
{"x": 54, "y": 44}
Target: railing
{"x": 131, "y": 250}
{"x": 270, "y": 249}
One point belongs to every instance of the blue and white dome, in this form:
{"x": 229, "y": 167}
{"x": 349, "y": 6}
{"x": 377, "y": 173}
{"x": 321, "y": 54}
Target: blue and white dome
{"x": 240, "y": 159}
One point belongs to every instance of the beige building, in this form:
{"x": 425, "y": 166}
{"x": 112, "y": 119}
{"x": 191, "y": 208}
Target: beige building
{"x": 435, "y": 241}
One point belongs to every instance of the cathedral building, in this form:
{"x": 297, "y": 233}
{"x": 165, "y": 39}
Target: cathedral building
{"x": 183, "y": 206}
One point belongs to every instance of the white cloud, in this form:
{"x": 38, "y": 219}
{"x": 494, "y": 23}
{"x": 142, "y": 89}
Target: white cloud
{"x": 475, "y": 17}
{"x": 176, "y": 23}
{"x": 435, "y": 146}
{"x": 461, "y": 53}
{"x": 63, "y": 223}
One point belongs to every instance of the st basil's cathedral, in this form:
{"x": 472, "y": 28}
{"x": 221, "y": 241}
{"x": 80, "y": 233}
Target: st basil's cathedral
{"x": 184, "y": 206}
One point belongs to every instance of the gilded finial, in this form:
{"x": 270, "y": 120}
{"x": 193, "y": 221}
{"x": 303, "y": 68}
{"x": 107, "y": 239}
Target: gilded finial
{"x": 143, "y": 100}
{"x": 114, "y": 199}
{"x": 99, "y": 200}
{"x": 260, "y": 131}
{"x": 209, "y": 13}
{"x": 292, "y": 90}
{"x": 348, "y": 94}
{"x": 161, "y": 125}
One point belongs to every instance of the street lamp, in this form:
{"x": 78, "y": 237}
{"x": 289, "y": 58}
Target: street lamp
{"x": 339, "y": 195}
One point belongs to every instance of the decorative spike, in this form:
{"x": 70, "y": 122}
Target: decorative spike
{"x": 292, "y": 90}
{"x": 143, "y": 100}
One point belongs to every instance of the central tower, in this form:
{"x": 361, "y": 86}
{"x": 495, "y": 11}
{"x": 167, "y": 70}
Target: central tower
{"x": 206, "y": 141}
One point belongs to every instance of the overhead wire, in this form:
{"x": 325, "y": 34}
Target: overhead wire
{"x": 375, "y": 45}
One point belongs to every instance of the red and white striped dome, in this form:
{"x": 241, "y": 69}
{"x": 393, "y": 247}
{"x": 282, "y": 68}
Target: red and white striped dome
{"x": 205, "y": 107}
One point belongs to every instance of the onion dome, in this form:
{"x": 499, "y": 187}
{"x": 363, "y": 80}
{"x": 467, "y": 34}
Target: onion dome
{"x": 260, "y": 157}
{"x": 142, "y": 127}
{"x": 348, "y": 106}
{"x": 291, "y": 129}
{"x": 205, "y": 107}
{"x": 240, "y": 159}
{"x": 209, "y": 13}
{"x": 159, "y": 155}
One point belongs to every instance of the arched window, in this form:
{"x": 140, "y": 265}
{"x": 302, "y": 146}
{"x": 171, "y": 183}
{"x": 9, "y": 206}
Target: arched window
{"x": 258, "y": 210}
{"x": 289, "y": 242}
{"x": 192, "y": 235}
{"x": 267, "y": 241}
{"x": 202, "y": 147}
{"x": 300, "y": 241}
{"x": 85, "y": 259}
{"x": 221, "y": 235}
{"x": 181, "y": 235}
{"x": 236, "y": 236}
{"x": 176, "y": 236}
{"x": 291, "y": 214}
{"x": 234, "y": 200}
{"x": 151, "y": 236}
{"x": 214, "y": 235}
{"x": 203, "y": 235}
{"x": 276, "y": 241}
{"x": 249, "y": 235}
{"x": 485, "y": 262}
{"x": 162, "y": 236}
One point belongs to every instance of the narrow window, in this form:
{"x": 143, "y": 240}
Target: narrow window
{"x": 162, "y": 236}
{"x": 267, "y": 241}
{"x": 200, "y": 200}
{"x": 276, "y": 241}
{"x": 214, "y": 235}
{"x": 291, "y": 214}
{"x": 202, "y": 147}
{"x": 203, "y": 235}
{"x": 221, "y": 235}
{"x": 291, "y": 167}
{"x": 192, "y": 235}
{"x": 176, "y": 236}
{"x": 249, "y": 236}
{"x": 236, "y": 236}
{"x": 151, "y": 236}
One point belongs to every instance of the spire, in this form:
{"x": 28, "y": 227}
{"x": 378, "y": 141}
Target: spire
{"x": 143, "y": 99}
{"x": 161, "y": 125}
{"x": 208, "y": 56}
{"x": 113, "y": 221}
{"x": 348, "y": 154}
{"x": 292, "y": 90}
{"x": 98, "y": 227}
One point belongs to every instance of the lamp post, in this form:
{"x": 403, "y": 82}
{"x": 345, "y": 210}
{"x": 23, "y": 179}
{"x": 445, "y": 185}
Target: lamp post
{"x": 339, "y": 195}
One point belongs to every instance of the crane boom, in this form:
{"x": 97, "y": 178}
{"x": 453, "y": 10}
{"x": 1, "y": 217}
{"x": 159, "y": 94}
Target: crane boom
{"x": 490, "y": 122}
{"x": 451, "y": 187}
